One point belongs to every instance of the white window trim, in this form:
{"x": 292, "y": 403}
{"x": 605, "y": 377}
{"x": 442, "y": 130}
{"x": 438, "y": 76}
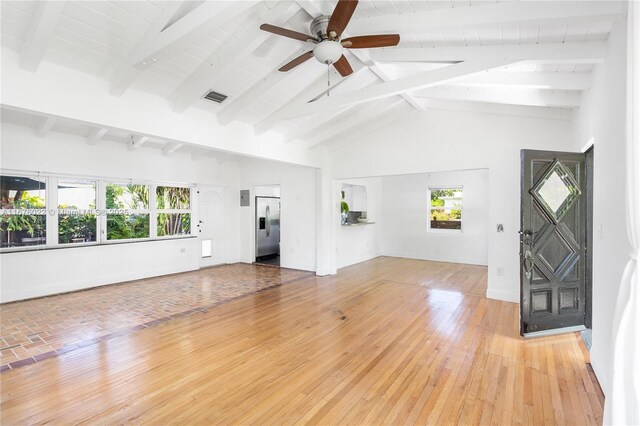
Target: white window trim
{"x": 430, "y": 208}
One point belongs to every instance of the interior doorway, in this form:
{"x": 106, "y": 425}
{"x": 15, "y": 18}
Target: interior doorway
{"x": 267, "y": 225}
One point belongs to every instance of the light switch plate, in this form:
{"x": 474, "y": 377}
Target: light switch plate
{"x": 244, "y": 198}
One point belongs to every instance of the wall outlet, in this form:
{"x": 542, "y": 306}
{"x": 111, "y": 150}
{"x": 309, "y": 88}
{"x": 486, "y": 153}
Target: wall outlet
{"x": 183, "y": 250}
{"x": 500, "y": 271}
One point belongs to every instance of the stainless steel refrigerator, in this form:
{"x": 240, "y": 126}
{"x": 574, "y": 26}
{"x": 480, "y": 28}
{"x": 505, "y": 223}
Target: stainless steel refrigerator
{"x": 267, "y": 226}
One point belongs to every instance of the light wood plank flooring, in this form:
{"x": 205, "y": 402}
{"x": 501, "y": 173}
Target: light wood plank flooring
{"x": 389, "y": 341}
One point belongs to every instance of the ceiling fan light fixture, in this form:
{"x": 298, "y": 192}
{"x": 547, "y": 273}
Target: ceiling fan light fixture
{"x": 328, "y": 51}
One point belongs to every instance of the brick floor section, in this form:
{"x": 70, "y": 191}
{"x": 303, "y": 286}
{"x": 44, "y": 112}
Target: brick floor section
{"x": 37, "y": 329}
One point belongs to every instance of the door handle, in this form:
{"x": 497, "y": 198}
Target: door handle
{"x": 529, "y": 263}
{"x": 268, "y": 221}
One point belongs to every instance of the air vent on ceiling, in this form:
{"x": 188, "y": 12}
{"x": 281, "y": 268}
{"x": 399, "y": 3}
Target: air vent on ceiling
{"x": 215, "y": 97}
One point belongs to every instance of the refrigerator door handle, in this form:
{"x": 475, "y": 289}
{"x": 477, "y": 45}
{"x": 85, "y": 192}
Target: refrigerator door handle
{"x": 268, "y": 222}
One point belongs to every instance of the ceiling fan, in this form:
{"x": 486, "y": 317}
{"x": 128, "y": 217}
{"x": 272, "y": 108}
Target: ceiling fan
{"x": 329, "y": 45}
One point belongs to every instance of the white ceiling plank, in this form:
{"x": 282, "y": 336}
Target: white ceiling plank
{"x": 529, "y": 98}
{"x": 44, "y": 24}
{"x": 171, "y": 147}
{"x": 504, "y": 13}
{"x": 312, "y": 91}
{"x": 127, "y": 72}
{"x": 205, "y": 16}
{"x": 96, "y": 134}
{"x": 312, "y": 124}
{"x": 354, "y": 134}
{"x": 229, "y": 57}
{"x": 357, "y": 116}
{"x": 587, "y": 52}
{"x": 137, "y": 142}
{"x": 209, "y": 14}
{"x": 272, "y": 79}
{"x": 396, "y": 87}
{"x": 45, "y": 126}
{"x": 499, "y": 109}
{"x": 531, "y": 80}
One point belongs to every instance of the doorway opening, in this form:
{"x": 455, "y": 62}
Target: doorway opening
{"x": 267, "y": 225}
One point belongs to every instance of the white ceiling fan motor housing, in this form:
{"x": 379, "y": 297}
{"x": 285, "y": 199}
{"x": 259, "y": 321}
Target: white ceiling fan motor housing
{"x": 328, "y": 52}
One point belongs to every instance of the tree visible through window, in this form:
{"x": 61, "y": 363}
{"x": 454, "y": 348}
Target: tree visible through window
{"x": 173, "y": 205}
{"x": 445, "y": 208}
{"x": 134, "y": 222}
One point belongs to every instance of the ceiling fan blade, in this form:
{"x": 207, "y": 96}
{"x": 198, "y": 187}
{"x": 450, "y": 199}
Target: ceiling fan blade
{"x": 363, "y": 42}
{"x": 343, "y": 66}
{"x": 341, "y": 17}
{"x": 286, "y": 33}
{"x": 297, "y": 61}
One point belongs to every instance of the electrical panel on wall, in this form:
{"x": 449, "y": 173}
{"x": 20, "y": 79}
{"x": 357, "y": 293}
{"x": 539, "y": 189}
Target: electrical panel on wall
{"x": 244, "y": 198}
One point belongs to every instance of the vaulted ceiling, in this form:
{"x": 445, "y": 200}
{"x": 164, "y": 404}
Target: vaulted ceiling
{"x": 452, "y": 54}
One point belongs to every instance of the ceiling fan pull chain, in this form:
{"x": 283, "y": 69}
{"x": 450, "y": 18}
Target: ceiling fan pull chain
{"x": 328, "y": 79}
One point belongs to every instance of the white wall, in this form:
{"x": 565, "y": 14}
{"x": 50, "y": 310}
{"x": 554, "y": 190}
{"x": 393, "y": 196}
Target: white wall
{"x": 602, "y": 116}
{"x": 437, "y": 140}
{"x": 59, "y": 91}
{"x": 356, "y": 244}
{"x": 37, "y": 273}
{"x": 405, "y": 230}
{"x": 297, "y": 211}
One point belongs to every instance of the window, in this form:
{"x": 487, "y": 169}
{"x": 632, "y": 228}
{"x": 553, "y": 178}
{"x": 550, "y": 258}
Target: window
{"x": 24, "y": 218}
{"x": 127, "y": 209}
{"x": 173, "y": 206}
{"x": 48, "y": 211}
{"x": 445, "y": 208}
{"x": 77, "y": 220}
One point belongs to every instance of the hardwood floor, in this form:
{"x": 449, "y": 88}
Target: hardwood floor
{"x": 389, "y": 341}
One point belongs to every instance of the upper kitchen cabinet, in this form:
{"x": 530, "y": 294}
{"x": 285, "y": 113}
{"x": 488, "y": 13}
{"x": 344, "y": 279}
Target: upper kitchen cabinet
{"x": 356, "y": 197}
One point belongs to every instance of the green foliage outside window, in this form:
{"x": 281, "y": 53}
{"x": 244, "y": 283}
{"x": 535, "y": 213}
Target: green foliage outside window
{"x": 17, "y": 226}
{"x": 127, "y": 226}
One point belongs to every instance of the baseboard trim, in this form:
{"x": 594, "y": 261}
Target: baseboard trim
{"x": 597, "y": 367}
{"x": 434, "y": 259}
{"x": 505, "y": 296}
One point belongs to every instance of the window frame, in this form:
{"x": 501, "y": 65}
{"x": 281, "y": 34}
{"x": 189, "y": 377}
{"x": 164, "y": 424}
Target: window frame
{"x": 55, "y": 213}
{"x": 158, "y": 211}
{"x": 46, "y": 181}
{"x": 52, "y": 212}
{"x": 148, "y": 210}
{"x": 430, "y": 208}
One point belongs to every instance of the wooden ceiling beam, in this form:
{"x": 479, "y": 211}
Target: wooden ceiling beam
{"x": 96, "y": 134}
{"x": 44, "y": 24}
{"x": 420, "y": 81}
{"x": 528, "y": 98}
{"x": 45, "y": 126}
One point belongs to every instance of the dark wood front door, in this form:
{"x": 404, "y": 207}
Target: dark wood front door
{"x": 552, "y": 240}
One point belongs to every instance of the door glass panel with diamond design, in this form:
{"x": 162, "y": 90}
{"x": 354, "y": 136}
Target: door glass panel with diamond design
{"x": 556, "y": 191}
